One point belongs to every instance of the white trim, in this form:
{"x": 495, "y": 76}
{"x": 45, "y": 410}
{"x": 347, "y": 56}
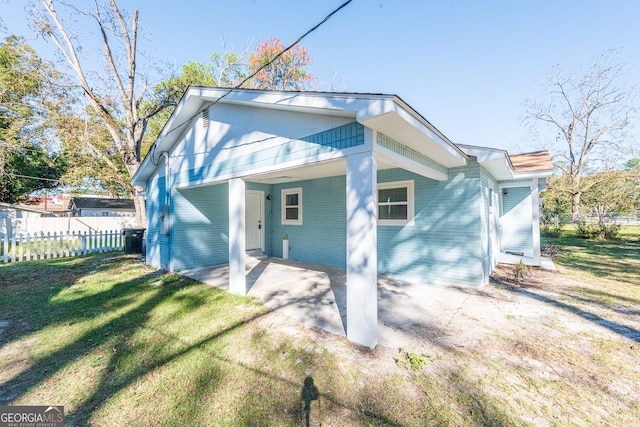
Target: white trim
{"x": 237, "y": 240}
{"x": 283, "y": 193}
{"x": 535, "y": 220}
{"x": 410, "y": 221}
{"x": 411, "y": 165}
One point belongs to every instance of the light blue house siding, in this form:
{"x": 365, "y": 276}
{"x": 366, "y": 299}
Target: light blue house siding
{"x": 448, "y": 244}
{"x": 321, "y": 237}
{"x": 443, "y": 247}
{"x": 157, "y": 242}
{"x": 200, "y": 233}
{"x": 446, "y": 230}
{"x": 265, "y": 156}
{"x": 200, "y": 227}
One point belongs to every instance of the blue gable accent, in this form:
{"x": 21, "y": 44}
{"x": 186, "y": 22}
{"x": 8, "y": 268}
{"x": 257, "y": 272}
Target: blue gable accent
{"x": 349, "y": 135}
{"x": 342, "y": 137}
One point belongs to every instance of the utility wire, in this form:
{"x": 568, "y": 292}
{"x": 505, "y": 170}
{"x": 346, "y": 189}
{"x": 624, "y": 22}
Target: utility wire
{"x": 31, "y": 177}
{"x": 239, "y": 85}
{"x": 288, "y": 48}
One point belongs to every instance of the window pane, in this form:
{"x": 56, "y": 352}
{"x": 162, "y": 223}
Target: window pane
{"x": 392, "y": 212}
{"x": 292, "y": 200}
{"x": 387, "y": 195}
{"x": 291, "y": 213}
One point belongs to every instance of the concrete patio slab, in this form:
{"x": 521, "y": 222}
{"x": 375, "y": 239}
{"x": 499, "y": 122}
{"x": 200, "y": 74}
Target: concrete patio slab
{"x": 409, "y": 314}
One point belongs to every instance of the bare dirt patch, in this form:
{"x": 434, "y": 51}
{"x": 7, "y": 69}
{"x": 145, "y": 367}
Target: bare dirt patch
{"x": 540, "y": 348}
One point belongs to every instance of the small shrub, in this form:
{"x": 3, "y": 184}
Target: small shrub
{"x": 413, "y": 361}
{"x": 550, "y": 249}
{"x": 610, "y": 231}
{"x": 549, "y": 230}
{"x": 520, "y": 270}
{"x": 585, "y": 230}
{"x": 601, "y": 231}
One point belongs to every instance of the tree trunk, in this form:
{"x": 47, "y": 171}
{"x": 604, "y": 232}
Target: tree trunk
{"x": 141, "y": 209}
{"x": 138, "y": 201}
{"x": 575, "y": 205}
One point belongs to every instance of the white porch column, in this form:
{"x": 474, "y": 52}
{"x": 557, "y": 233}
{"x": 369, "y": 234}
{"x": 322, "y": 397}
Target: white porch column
{"x": 237, "y": 242}
{"x": 362, "y": 250}
{"x": 535, "y": 221}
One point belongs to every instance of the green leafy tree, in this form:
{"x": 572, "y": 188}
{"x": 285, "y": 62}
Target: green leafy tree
{"x": 609, "y": 192}
{"x": 30, "y": 169}
{"x": 225, "y": 70}
{"x": 87, "y": 145}
{"x": 588, "y": 115}
{"x": 633, "y": 166}
{"x": 27, "y": 86}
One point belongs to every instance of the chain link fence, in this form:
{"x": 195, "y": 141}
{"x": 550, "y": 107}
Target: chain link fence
{"x": 619, "y": 218}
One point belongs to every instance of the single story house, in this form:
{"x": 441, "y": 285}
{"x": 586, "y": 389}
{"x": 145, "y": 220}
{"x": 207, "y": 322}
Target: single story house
{"x": 101, "y": 206}
{"x": 358, "y": 181}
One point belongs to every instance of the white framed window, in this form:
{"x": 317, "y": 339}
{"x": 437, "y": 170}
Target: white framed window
{"x": 292, "y": 206}
{"x": 396, "y": 203}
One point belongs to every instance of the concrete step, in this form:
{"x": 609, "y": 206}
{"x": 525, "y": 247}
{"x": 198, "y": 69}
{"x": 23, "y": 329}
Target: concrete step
{"x": 257, "y": 254}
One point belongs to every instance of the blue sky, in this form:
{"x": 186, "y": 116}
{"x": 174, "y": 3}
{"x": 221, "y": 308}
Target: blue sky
{"x": 467, "y": 66}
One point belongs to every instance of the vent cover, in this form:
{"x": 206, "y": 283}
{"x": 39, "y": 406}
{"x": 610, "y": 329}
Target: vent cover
{"x": 205, "y": 118}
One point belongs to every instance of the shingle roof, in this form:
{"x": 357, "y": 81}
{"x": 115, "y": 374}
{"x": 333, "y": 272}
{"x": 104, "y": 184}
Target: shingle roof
{"x": 532, "y": 162}
{"x": 99, "y": 203}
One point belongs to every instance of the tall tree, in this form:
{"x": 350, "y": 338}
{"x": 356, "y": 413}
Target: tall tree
{"x": 288, "y": 72}
{"x": 116, "y": 96}
{"x": 610, "y": 193}
{"x": 27, "y": 87}
{"x": 27, "y": 169}
{"x": 226, "y": 69}
{"x": 589, "y": 115}
{"x": 633, "y": 166}
{"x": 82, "y": 136}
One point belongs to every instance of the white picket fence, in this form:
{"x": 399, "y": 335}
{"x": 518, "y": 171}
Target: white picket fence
{"x": 59, "y": 245}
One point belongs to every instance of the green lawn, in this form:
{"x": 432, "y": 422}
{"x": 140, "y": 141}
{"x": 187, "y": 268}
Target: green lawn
{"x": 117, "y": 343}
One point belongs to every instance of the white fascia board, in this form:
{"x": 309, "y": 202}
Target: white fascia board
{"x": 411, "y": 165}
{"x": 371, "y": 110}
{"x": 497, "y": 162}
{"x": 494, "y": 160}
{"x": 392, "y": 117}
{"x": 536, "y": 174}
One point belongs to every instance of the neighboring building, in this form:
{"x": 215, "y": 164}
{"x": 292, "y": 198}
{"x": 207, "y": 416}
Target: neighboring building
{"x": 97, "y": 206}
{"x": 50, "y": 206}
{"x": 357, "y": 181}
{"x": 8, "y": 210}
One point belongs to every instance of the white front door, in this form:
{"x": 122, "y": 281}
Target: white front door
{"x": 254, "y": 219}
